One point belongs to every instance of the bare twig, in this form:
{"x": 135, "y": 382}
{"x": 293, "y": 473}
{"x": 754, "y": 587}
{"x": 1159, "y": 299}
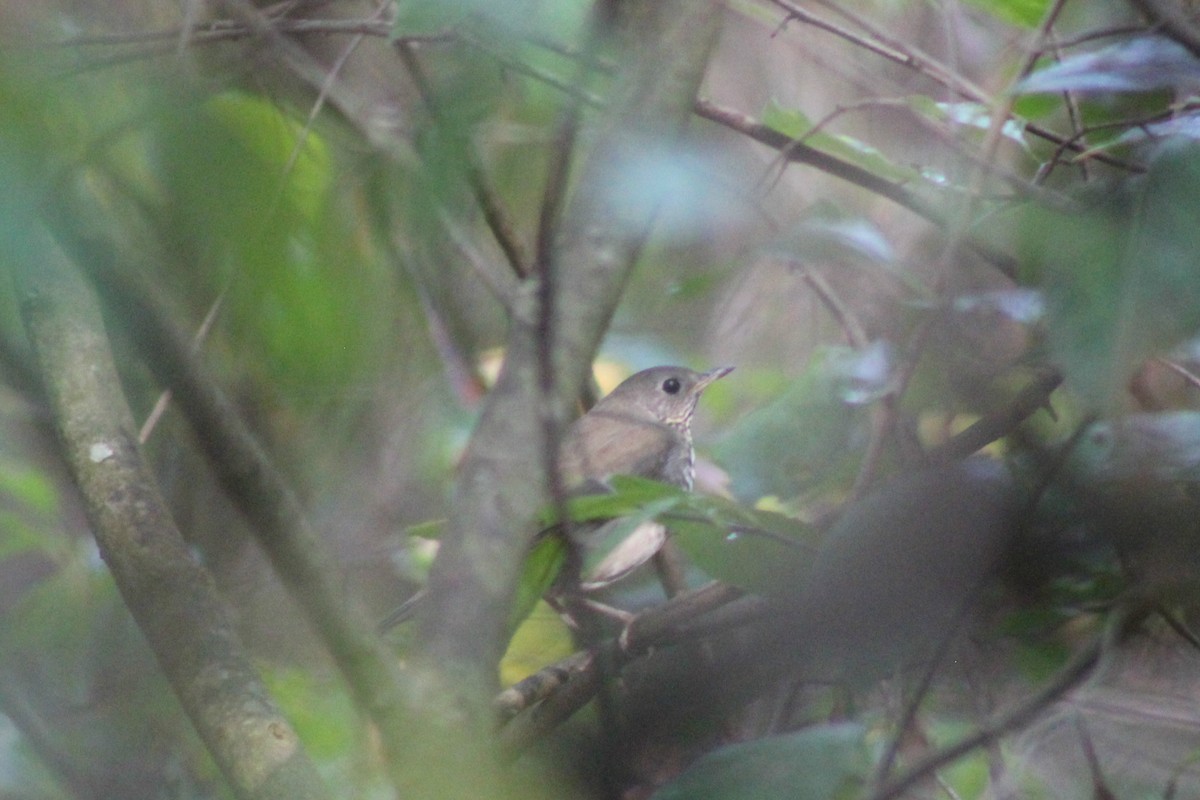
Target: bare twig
{"x": 1076, "y": 670}
{"x": 851, "y": 173}
{"x": 558, "y": 691}
{"x": 489, "y": 203}
{"x": 994, "y": 426}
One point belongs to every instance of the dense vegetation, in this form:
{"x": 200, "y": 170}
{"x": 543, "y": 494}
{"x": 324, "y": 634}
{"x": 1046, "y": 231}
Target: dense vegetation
{"x": 303, "y": 294}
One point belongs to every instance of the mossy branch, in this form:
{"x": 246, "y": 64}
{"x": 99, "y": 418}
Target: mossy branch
{"x": 171, "y": 596}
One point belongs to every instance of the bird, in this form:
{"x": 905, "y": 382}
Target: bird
{"x": 642, "y": 428}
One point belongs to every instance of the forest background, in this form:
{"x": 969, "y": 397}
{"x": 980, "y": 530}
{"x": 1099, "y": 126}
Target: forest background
{"x": 297, "y": 296}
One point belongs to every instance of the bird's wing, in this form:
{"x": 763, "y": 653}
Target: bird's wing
{"x": 602, "y": 444}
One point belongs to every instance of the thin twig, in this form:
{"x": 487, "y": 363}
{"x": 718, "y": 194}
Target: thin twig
{"x": 1192, "y": 378}
{"x": 844, "y": 170}
{"x": 164, "y": 399}
{"x": 563, "y": 688}
{"x": 489, "y": 203}
{"x": 1076, "y": 670}
{"x": 1000, "y": 423}
{"x": 900, "y": 53}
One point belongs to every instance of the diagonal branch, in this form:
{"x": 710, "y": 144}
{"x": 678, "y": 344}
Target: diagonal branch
{"x": 172, "y": 598}
{"x": 501, "y": 485}
{"x": 250, "y": 479}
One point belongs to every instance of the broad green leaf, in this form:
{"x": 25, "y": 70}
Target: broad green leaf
{"x": 629, "y": 495}
{"x": 324, "y": 715}
{"x": 804, "y": 440}
{"x": 761, "y": 551}
{"x": 541, "y": 639}
{"x": 1023, "y": 13}
{"x": 796, "y": 125}
{"x": 818, "y": 763}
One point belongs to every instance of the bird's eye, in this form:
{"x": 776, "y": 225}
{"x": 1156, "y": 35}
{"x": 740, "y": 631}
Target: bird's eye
{"x": 671, "y": 386}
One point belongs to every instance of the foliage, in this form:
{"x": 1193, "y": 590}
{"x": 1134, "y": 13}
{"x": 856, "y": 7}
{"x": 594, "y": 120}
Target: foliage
{"x": 895, "y": 243}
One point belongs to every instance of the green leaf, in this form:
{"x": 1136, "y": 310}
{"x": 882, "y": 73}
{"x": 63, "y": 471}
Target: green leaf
{"x": 324, "y": 715}
{"x": 629, "y": 495}
{"x": 430, "y": 17}
{"x": 1023, "y": 13}
{"x": 806, "y": 439}
{"x": 541, "y": 567}
{"x": 795, "y": 124}
{"x": 819, "y": 763}
{"x": 1119, "y": 273}
{"x": 541, "y": 639}
{"x": 761, "y": 551}
{"x": 429, "y": 529}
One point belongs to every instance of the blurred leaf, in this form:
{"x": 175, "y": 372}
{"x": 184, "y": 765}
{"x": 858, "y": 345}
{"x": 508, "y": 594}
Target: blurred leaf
{"x": 323, "y": 714}
{"x": 1119, "y": 272}
{"x": 819, "y": 763}
{"x": 805, "y": 439}
{"x": 541, "y": 568}
{"x": 429, "y": 529}
{"x": 1039, "y": 661}
{"x": 629, "y": 495}
{"x": 541, "y": 639}
{"x": 426, "y": 18}
{"x": 865, "y": 374}
{"x": 967, "y": 114}
{"x": 631, "y": 543}
{"x": 1140, "y": 64}
{"x": 968, "y": 775}
{"x": 796, "y": 125}
{"x": 28, "y": 504}
{"x": 761, "y": 551}
{"x": 1023, "y": 13}
{"x": 824, "y": 238}
{"x": 1162, "y": 446}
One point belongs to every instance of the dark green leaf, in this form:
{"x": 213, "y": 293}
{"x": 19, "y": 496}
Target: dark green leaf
{"x": 758, "y": 550}
{"x": 542, "y": 565}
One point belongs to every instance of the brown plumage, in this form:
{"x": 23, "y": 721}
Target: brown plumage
{"x": 643, "y": 427}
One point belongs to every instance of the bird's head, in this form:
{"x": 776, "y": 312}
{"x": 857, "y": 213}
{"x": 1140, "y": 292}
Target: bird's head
{"x": 668, "y": 394}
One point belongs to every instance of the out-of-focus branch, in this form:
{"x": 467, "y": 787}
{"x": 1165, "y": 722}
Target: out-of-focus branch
{"x": 851, "y": 173}
{"x": 501, "y": 486}
{"x": 250, "y": 479}
{"x": 172, "y": 598}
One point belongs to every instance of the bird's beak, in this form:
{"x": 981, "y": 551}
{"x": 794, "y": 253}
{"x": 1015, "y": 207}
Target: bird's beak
{"x": 709, "y": 377}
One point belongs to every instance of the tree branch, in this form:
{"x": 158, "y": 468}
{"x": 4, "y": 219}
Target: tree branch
{"x": 500, "y": 485}
{"x": 247, "y": 475}
{"x": 172, "y": 598}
